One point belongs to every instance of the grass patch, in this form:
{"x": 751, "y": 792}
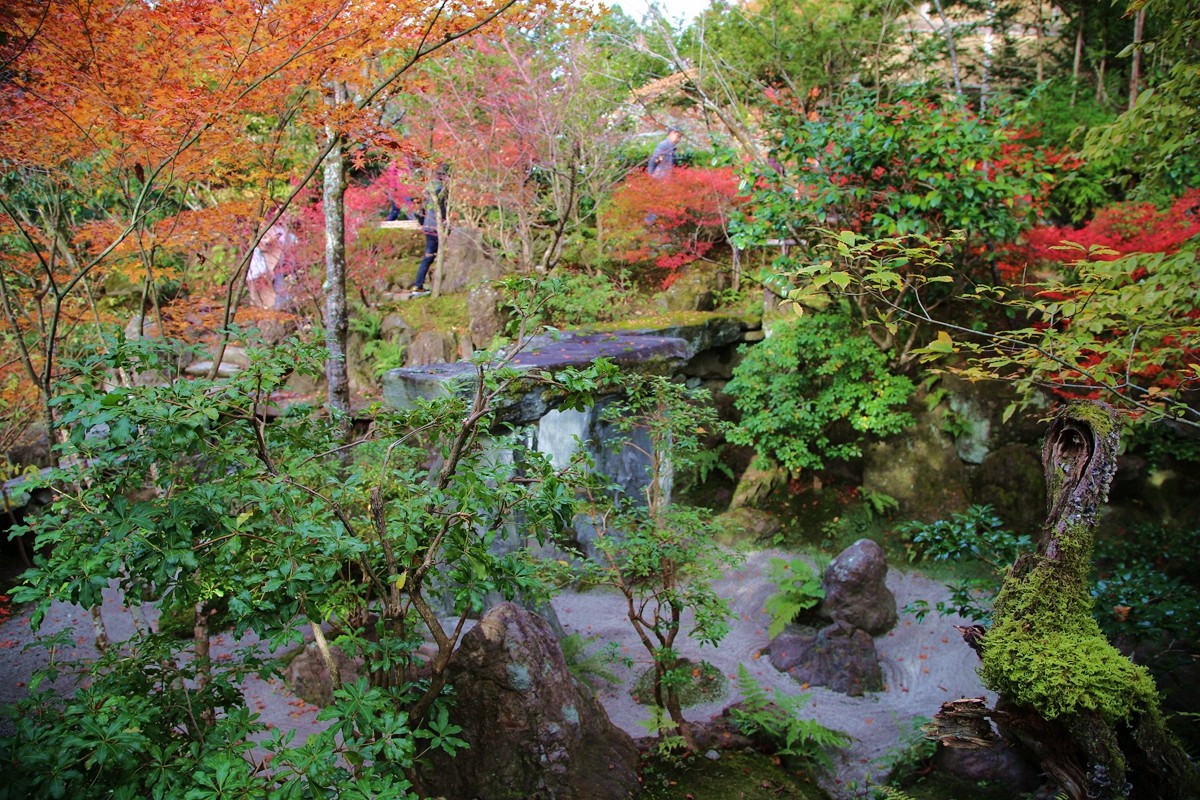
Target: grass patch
{"x": 445, "y": 313}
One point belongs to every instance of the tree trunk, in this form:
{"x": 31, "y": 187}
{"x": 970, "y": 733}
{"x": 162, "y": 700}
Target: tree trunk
{"x": 1075, "y": 67}
{"x": 1135, "y": 69}
{"x": 336, "y": 321}
{"x": 1088, "y": 713}
{"x": 202, "y": 643}
{"x": 953, "y": 51}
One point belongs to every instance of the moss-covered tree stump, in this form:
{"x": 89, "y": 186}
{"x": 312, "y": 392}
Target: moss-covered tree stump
{"x": 1089, "y": 714}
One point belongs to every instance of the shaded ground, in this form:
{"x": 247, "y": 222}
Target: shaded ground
{"x": 924, "y": 664}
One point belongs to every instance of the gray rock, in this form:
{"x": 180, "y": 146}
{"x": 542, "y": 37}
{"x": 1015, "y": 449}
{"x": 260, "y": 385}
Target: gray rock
{"x": 746, "y": 524}
{"x": 483, "y": 309}
{"x": 1012, "y": 481}
{"x": 840, "y": 657}
{"x": 466, "y": 262}
{"x": 998, "y": 764}
{"x": 921, "y": 470}
{"x": 856, "y": 590}
{"x": 527, "y": 401}
{"x": 756, "y": 483}
{"x": 140, "y": 327}
{"x": 393, "y": 326}
{"x": 431, "y": 347}
{"x": 533, "y": 732}
{"x": 308, "y": 677}
{"x": 691, "y": 291}
{"x": 974, "y": 438}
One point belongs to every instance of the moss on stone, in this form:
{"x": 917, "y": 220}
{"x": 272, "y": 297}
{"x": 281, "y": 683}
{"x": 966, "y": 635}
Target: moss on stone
{"x": 1045, "y": 650}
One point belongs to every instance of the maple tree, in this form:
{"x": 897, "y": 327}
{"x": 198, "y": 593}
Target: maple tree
{"x": 673, "y": 221}
{"x": 164, "y": 128}
{"x": 519, "y": 117}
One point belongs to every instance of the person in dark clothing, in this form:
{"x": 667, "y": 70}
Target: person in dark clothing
{"x": 431, "y": 213}
{"x": 662, "y": 160}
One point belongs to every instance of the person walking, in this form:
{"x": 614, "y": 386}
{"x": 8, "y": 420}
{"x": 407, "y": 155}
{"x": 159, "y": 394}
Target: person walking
{"x": 428, "y": 215}
{"x": 662, "y": 160}
{"x": 432, "y": 214}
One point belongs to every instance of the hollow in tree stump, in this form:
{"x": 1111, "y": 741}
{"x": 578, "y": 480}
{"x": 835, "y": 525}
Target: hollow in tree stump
{"x": 1089, "y": 714}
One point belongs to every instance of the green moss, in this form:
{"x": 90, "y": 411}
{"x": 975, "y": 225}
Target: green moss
{"x": 1046, "y": 651}
{"x": 445, "y": 313}
{"x": 1101, "y": 419}
{"x": 734, "y": 776}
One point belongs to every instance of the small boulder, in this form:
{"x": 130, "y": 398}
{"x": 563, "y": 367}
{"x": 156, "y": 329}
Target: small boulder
{"x": 466, "y": 262}
{"x": 431, "y": 347}
{"x": 1000, "y": 764}
{"x": 533, "y": 731}
{"x": 487, "y": 321}
{"x": 840, "y": 657}
{"x": 746, "y": 524}
{"x": 856, "y": 590}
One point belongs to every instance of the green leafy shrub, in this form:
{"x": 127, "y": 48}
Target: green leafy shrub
{"x": 660, "y": 555}
{"x": 698, "y": 682}
{"x": 910, "y": 165}
{"x": 583, "y": 298}
{"x": 778, "y": 718}
{"x": 181, "y": 492}
{"x": 809, "y": 376}
{"x": 799, "y": 590}
{"x": 1135, "y": 595}
{"x": 976, "y": 534}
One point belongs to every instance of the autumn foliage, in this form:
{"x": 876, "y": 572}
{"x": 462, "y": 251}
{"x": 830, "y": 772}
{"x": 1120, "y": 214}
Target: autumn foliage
{"x": 671, "y": 222}
{"x": 1115, "y": 231}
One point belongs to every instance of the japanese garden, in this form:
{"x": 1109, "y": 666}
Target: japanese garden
{"x": 513, "y": 399}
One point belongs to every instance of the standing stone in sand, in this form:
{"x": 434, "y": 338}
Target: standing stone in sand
{"x": 856, "y": 591}
{"x": 840, "y": 657}
{"x": 533, "y": 731}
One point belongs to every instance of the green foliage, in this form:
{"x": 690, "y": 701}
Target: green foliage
{"x": 799, "y": 590}
{"x": 1135, "y": 595}
{"x": 181, "y": 491}
{"x": 581, "y": 298}
{"x": 591, "y": 667}
{"x": 976, "y": 534}
{"x": 661, "y": 556}
{"x": 785, "y": 43}
{"x": 697, "y": 683}
{"x": 878, "y": 503}
{"x": 914, "y": 165}
{"x": 890, "y": 793}
{"x": 910, "y": 755}
{"x": 1121, "y": 330}
{"x": 384, "y": 356}
{"x": 778, "y": 718}
{"x": 810, "y": 375}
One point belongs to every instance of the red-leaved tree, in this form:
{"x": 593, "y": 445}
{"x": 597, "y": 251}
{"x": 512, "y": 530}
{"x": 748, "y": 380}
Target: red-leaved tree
{"x": 671, "y": 222}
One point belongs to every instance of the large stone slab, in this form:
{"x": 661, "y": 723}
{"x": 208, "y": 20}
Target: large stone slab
{"x": 529, "y": 400}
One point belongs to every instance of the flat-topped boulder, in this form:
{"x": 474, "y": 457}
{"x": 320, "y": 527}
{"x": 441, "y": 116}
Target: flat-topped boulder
{"x": 528, "y": 401}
